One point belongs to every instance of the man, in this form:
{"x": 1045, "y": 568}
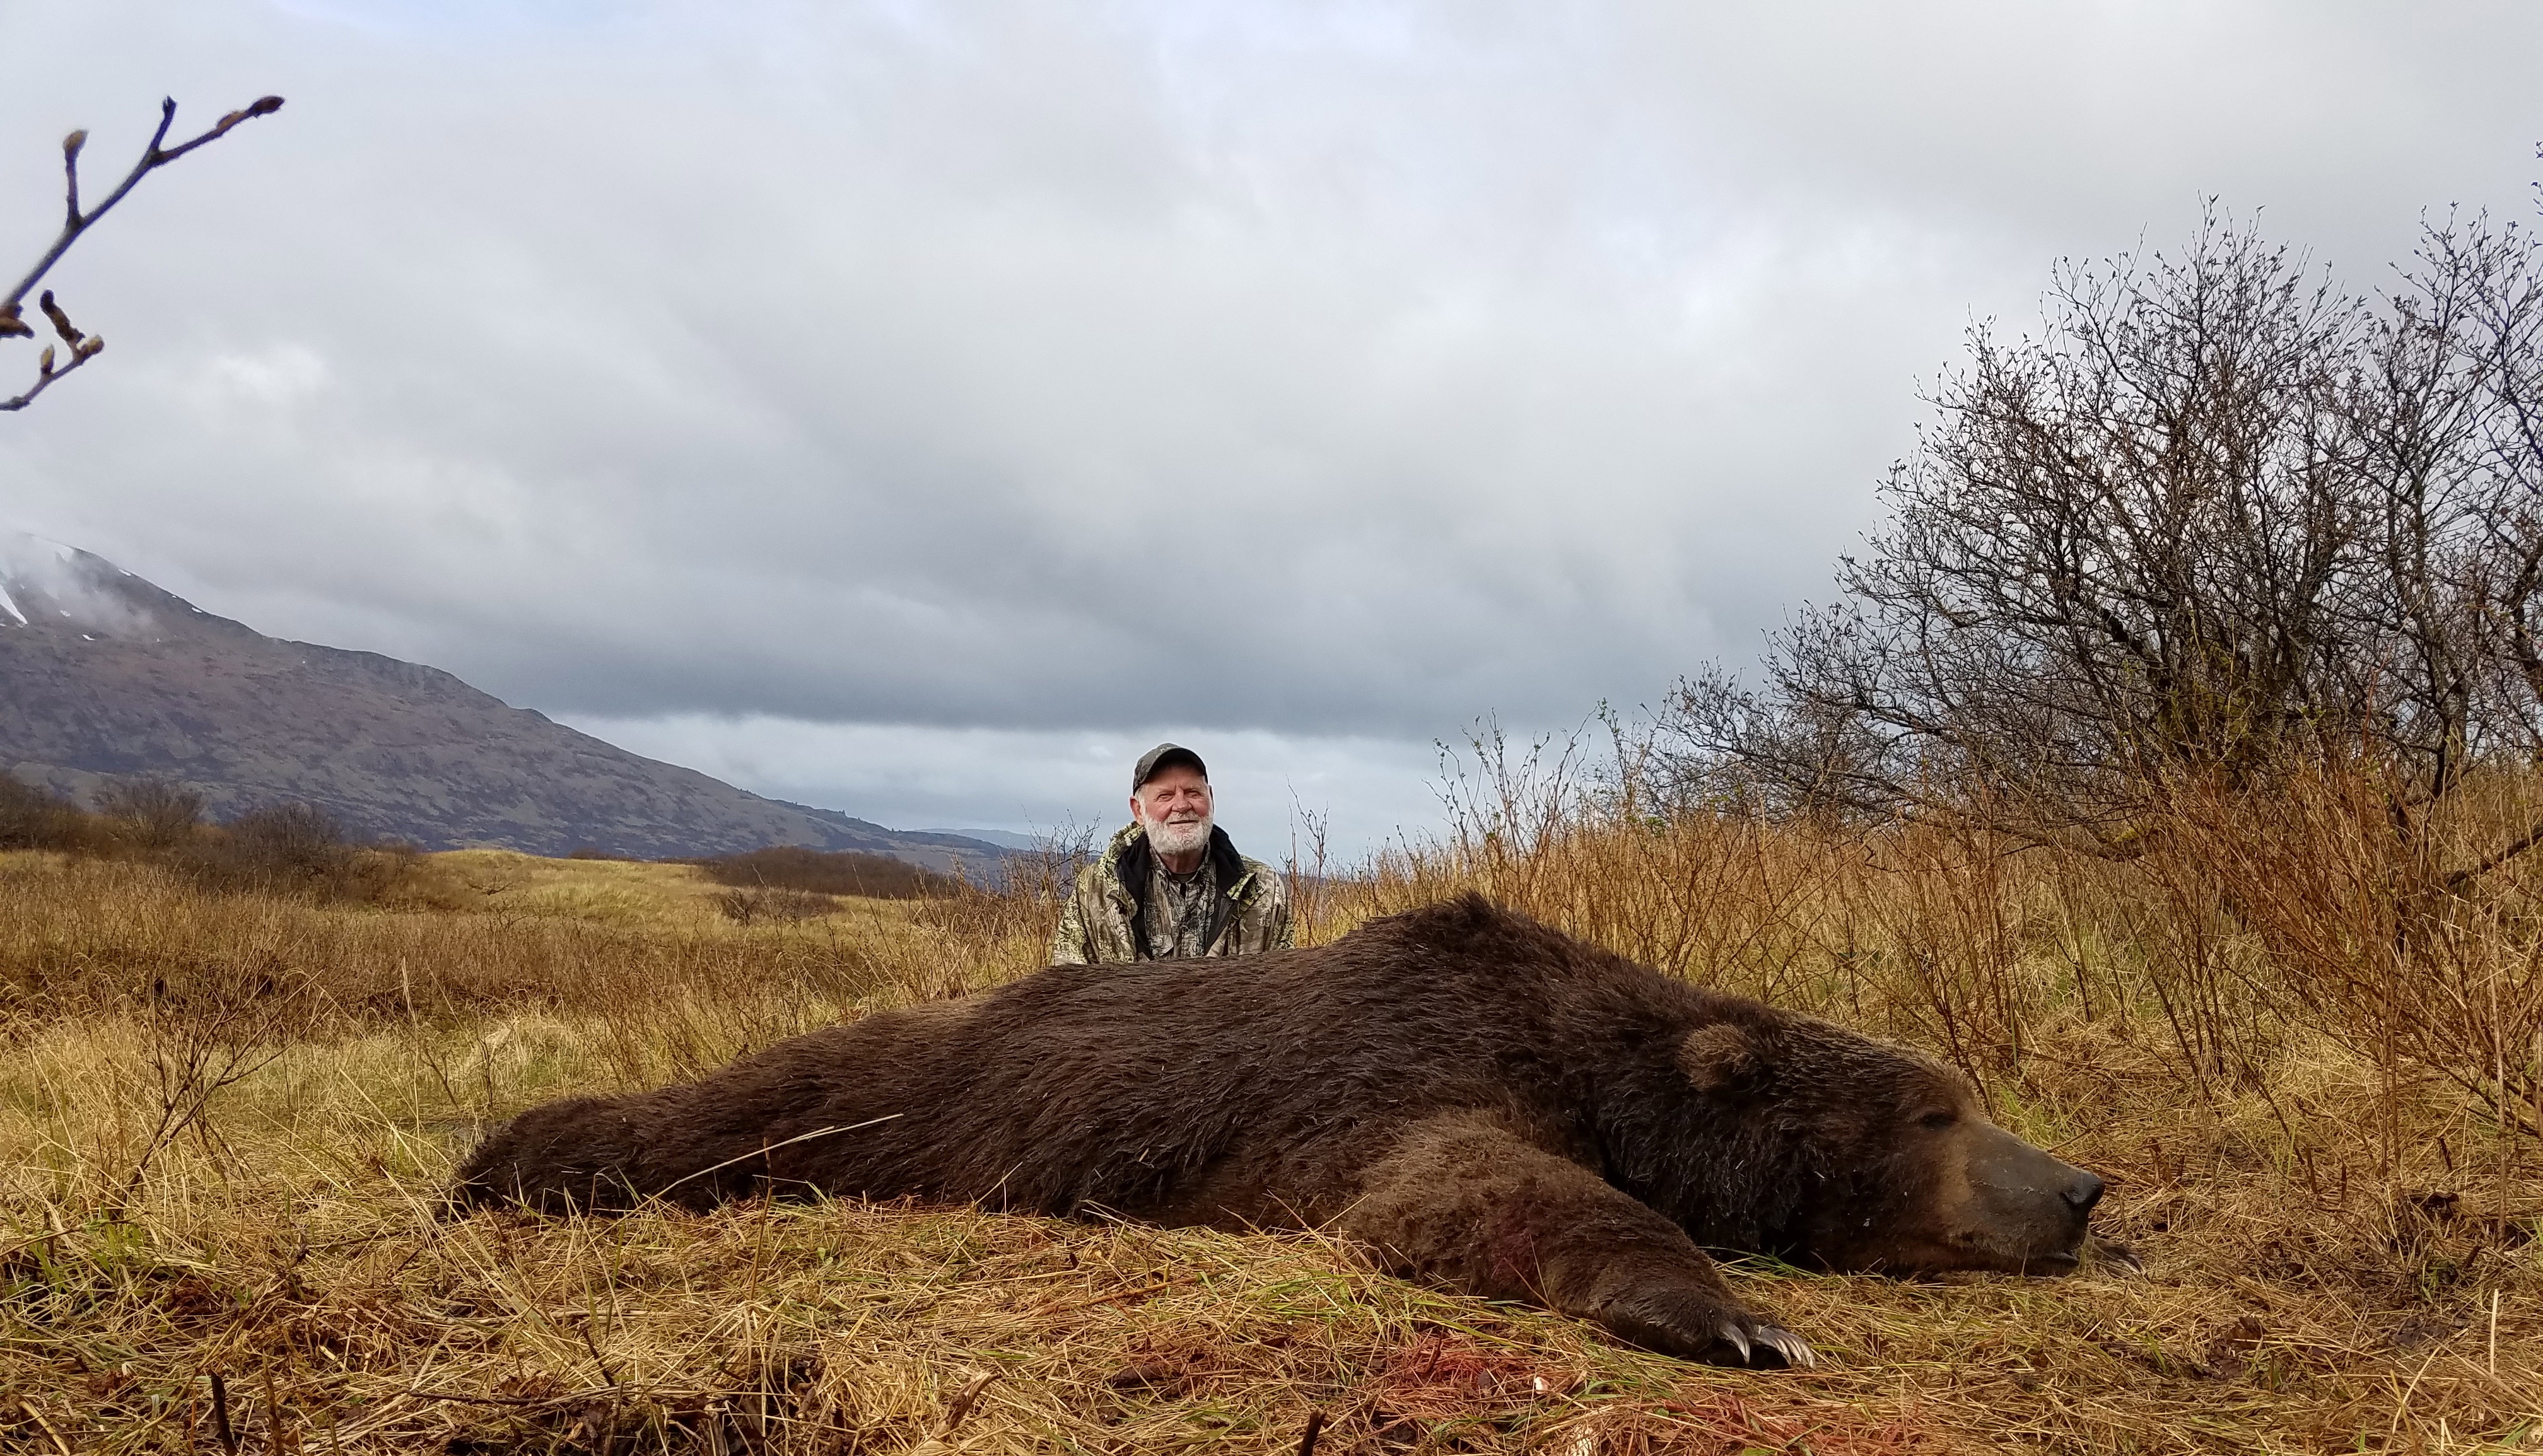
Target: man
{"x": 1171, "y": 887}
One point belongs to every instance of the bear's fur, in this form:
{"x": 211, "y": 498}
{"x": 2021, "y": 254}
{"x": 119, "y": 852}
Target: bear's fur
{"x": 1481, "y": 1098}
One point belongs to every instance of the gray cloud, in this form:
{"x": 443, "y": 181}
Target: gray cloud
{"x": 1334, "y": 372}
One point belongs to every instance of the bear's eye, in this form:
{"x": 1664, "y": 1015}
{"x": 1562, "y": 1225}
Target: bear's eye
{"x": 1936, "y": 1121}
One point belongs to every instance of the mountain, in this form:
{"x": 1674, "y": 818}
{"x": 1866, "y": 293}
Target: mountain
{"x": 104, "y": 675}
{"x": 1004, "y": 838}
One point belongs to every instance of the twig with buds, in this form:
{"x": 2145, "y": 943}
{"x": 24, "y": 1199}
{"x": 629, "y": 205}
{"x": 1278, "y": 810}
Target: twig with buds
{"x": 86, "y": 347}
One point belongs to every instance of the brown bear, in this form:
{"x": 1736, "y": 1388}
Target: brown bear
{"x": 1479, "y": 1098}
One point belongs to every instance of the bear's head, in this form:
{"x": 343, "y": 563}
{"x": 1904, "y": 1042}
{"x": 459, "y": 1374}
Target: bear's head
{"x": 1862, "y": 1155}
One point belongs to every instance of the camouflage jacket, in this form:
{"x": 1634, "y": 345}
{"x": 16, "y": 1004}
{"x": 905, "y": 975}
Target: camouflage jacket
{"x": 1105, "y": 922}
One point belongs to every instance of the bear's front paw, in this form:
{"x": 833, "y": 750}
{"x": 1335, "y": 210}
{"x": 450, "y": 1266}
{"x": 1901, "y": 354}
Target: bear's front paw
{"x": 1694, "y": 1326}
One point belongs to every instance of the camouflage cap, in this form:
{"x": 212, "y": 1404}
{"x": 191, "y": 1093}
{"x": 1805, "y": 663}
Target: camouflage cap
{"x": 1162, "y": 757}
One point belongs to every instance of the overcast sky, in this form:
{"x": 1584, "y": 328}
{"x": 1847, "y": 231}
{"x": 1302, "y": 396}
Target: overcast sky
{"x": 919, "y": 409}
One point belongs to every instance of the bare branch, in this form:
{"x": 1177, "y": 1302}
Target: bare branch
{"x": 76, "y": 223}
{"x": 2523, "y": 844}
{"x": 83, "y": 346}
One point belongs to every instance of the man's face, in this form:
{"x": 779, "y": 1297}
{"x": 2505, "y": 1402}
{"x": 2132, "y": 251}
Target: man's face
{"x": 1176, "y": 807}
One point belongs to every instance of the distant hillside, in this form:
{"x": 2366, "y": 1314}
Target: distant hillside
{"x": 103, "y": 676}
{"x": 1003, "y": 838}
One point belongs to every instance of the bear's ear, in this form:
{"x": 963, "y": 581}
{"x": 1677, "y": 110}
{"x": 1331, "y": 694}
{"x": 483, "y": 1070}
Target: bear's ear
{"x": 1717, "y": 1057}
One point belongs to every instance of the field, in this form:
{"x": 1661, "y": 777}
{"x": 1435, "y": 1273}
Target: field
{"x": 226, "y": 1117}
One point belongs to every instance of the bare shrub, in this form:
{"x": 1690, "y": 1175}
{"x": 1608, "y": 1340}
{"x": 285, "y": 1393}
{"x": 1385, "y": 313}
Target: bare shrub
{"x": 153, "y": 813}
{"x": 2363, "y": 936}
{"x": 205, "y": 1032}
{"x": 295, "y": 849}
{"x": 778, "y": 906}
{"x": 1718, "y": 898}
{"x": 1954, "y": 928}
{"x": 38, "y": 818}
{"x": 829, "y": 872}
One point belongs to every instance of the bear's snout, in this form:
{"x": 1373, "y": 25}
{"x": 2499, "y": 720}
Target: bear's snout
{"x": 2085, "y": 1192}
{"x": 2022, "y": 1209}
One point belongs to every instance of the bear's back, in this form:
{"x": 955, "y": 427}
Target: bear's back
{"x": 1122, "y": 1086}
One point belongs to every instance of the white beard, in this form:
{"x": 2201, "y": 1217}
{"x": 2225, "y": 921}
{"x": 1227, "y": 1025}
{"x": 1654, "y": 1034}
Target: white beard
{"x": 1180, "y": 838}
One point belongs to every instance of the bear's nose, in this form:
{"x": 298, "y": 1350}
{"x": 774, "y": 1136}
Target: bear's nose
{"x": 2084, "y": 1192}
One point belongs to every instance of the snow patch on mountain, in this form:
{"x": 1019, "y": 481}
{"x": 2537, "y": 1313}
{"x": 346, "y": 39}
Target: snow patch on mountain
{"x": 44, "y": 578}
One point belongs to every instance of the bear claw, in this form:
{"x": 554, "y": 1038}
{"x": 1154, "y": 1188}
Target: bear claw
{"x": 1794, "y": 1350}
{"x": 1797, "y": 1351}
{"x": 1694, "y": 1325}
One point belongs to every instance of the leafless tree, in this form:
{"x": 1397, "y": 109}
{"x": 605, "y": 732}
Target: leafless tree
{"x": 84, "y": 347}
{"x": 2221, "y": 516}
{"x": 155, "y": 813}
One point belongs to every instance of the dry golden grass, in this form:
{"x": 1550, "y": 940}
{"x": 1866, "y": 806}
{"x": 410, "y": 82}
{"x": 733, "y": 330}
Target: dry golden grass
{"x": 2337, "y": 1245}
